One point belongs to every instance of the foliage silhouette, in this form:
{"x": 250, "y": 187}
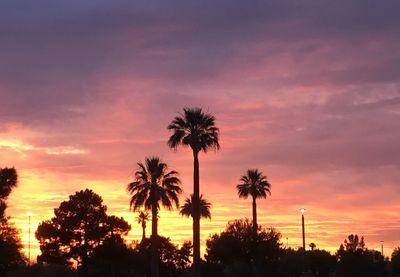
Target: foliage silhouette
{"x": 78, "y": 227}
{"x": 114, "y": 258}
{"x": 187, "y": 208}
{"x": 142, "y": 219}
{"x": 10, "y": 243}
{"x": 173, "y": 260}
{"x": 355, "y": 260}
{"x": 238, "y": 246}
{"x": 8, "y": 181}
{"x": 154, "y": 185}
{"x": 319, "y": 262}
{"x": 195, "y": 129}
{"x": 396, "y": 261}
{"x": 10, "y": 247}
{"x": 254, "y": 184}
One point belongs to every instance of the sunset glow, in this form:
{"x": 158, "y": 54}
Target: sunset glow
{"x": 312, "y": 99}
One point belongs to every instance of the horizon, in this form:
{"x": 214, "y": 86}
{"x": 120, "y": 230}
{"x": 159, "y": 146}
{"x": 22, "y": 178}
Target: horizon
{"x": 308, "y": 93}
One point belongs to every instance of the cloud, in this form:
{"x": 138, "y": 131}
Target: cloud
{"x": 54, "y": 55}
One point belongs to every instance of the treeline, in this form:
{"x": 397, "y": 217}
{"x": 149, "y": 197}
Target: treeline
{"x": 82, "y": 239}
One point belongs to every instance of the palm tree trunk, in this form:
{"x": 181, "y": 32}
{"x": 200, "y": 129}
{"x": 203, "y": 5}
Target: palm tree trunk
{"x": 85, "y": 250}
{"x": 144, "y": 230}
{"x": 254, "y": 216}
{"x": 196, "y": 215}
{"x": 154, "y": 242}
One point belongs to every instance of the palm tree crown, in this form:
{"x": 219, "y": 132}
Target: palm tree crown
{"x": 187, "y": 208}
{"x": 254, "y": 184}
{"x": 153, "y": 184}
{"x": 142, "y": 218}
{"x": 194, "y": 128}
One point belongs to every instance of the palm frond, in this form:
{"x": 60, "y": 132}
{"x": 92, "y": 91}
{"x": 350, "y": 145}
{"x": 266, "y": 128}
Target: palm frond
{"x": 154, "y": 186}
{"x": 204, "y": 205}
{"x": 254, "y": 183}
{"x": 194, "y": 128}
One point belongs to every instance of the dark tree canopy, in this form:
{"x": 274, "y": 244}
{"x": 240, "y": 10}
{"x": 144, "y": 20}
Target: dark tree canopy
{"x": 396, "y": 261}
{"x": 173, "y": 259}
{"x": 10, "y": 243}
{"x": 10, "y": 247}
{"x": 293, "y": 262}
{"x": 78, "y": 227}
{"x": 353, "y": 243}
{"x": 237, "y": 244}
{"x": 355, "y": 260}
{"x": 8, "y": 180}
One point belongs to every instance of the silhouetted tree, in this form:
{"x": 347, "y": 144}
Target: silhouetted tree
{"x": 153, "y": 186}
{"x": 238, "y": 247}
{"x": 114, "y": 258}
{"x": 254, "y": 184}
{"x": 312, "y": 246}
{"x": 187, "y": 208}
{"x": 355, "y": 260}
{"x": 353, "y": 243}
{"x": 396, "y": 262}
{"x": 195, "y": 129}
{"x": 10, "y": 243}
{"x": 173, "y": 260}
{"x": 291, "y": 263}
{"x": 142, "y": 219}
{"x": 10, "y": 247}
{"x": 8, "y": 180}
{"x": 78, "y": 227}
{"x": 320, "y": 262}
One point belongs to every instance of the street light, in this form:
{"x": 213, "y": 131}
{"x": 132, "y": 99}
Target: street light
{"x": 302, "y": 210}
{"x": 29, "y": 238}
{"x": 382, "y": 248}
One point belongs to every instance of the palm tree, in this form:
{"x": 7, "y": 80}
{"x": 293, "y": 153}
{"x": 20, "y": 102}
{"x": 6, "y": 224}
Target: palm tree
{"x": 195, "y": 129}
{"x": 153, "y": 186}
{"x": 254, "y": 183}
{"x": 187, "y": 208}
{"x": 142, "y": 219}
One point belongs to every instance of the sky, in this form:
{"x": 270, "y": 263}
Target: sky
{"x": 306, "y": 91}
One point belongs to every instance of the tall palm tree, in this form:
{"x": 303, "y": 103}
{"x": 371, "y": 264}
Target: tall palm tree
{"x": 142, "y": 219}
{"x": 195, "y": 129}
{"x": 154, "y": 185}
{"x": 255, "y": 184}
{"x": 187, "y": 208}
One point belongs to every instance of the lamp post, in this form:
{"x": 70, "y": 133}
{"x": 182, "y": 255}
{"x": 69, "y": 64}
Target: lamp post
{"x": 382, "y": 249}
{"x": 29, "y": 238}
{"x": 302, "y": 210}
